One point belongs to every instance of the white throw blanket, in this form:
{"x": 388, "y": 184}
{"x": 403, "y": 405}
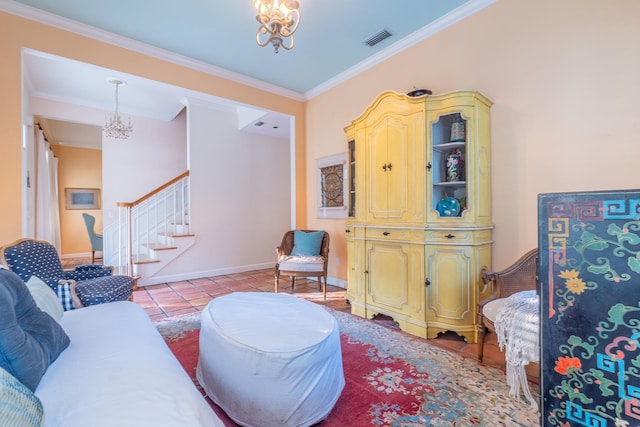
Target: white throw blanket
{"x": 517, "y": 326}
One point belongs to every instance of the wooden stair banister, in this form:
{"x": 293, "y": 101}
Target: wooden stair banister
{"x": 160, "y": 214}
{"x": 154, "y": 192}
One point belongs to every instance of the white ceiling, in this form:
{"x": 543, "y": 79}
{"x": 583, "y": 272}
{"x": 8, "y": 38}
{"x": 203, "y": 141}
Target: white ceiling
{"x": 218, "y": 36}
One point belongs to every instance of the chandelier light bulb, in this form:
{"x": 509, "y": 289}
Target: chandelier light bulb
{"x": 278, "y": 20}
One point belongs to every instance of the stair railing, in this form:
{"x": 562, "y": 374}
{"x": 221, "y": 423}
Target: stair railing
{"x": 147, "y": 223}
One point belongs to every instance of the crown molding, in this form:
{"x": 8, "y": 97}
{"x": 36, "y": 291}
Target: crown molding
{"x": 66, "y": 24}
{"x": 37, "y": 15}
{"x": 425, "y": 32}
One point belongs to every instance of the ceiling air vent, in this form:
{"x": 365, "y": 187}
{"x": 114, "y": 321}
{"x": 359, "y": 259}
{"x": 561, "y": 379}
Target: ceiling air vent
{"x": 377, "y": 38}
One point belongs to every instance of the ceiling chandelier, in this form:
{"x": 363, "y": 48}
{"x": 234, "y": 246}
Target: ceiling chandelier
{"x": 278, "y": 21}
{"x": 114, "y": 127}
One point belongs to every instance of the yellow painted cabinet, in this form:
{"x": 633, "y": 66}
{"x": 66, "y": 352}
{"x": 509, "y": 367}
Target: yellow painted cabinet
{"x": 458, "y": 159}
{"x": 387, "y": 148}
{"x": 355, "y": 271}
{"x": 394, "y": 279}
{"x": 452, "y": 279}
{"x": 449, "y": 296}
{"x": 411, "y": 255}
{"x": 388, "y": 145}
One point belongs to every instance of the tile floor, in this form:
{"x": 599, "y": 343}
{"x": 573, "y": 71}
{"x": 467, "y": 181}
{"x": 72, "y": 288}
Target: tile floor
{"x": 189, "y": 296}
{"x": 177, "y": 298}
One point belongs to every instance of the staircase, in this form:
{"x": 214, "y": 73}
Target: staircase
{"x": 150, "y": 232}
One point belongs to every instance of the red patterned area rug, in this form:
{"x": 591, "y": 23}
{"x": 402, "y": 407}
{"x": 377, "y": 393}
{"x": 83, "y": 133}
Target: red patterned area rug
{"x": 393, "y": 379}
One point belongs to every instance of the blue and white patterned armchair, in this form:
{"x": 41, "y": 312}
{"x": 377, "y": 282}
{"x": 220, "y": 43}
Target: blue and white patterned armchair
{"x": 86, "y": 285}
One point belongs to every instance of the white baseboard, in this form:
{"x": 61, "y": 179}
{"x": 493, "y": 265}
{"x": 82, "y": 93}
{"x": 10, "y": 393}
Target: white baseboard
{"x": 81, "y": 255}
{"x": 156, "y": 280}
{"x": 202, "y": 274}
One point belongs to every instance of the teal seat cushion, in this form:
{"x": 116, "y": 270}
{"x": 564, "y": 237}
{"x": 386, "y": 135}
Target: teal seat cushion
{"x": 307, "y": 243}
{"x": 30, "y": 339}
{"x": 19, "y": 407}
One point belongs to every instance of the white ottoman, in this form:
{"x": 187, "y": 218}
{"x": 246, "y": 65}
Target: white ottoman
{"x": 270, "y": 359}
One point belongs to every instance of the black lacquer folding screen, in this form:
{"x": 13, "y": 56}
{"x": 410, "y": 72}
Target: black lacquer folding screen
{"x": 589, "y": 276}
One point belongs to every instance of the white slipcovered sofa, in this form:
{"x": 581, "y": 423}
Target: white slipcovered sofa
{"x": 118, "y": 371}
{"x": 115, "y": 371}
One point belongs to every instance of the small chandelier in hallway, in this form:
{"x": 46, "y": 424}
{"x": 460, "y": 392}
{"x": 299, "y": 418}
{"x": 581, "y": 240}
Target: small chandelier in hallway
{"x": 114, "y": 126}
{"x": 278, "y": 21}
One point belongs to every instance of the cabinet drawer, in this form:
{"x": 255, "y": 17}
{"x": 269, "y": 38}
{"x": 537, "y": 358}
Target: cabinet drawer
{"x": 457, "y": 236}
{"x": 395, "y": 234}
{"x": 387, "y": 234}
{"x": 351, "y": 231}
{"x": 449, "y": 236}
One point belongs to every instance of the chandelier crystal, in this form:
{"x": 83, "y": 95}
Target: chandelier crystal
{"x": 278, "y": 21}
{"x": 114, "y": 126}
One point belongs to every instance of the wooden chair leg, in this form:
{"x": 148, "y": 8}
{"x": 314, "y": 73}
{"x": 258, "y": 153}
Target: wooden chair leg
{"x": 277, "y": 279}
{"x": 93, "y": 257}
{"x": 481, "y": 331}
{"x": 293, "y": 281}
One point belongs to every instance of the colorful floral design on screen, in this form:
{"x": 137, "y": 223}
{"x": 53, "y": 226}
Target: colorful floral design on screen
{"x": 590, "y": 273}
{"x": 613, "y": 372}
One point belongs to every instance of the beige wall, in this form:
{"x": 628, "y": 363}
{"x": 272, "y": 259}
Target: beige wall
{"x": 565, "y": 80}
{"x": 154, "y": 154}
{"x": 240, "y": 199}
{"x": 77, "y": 168}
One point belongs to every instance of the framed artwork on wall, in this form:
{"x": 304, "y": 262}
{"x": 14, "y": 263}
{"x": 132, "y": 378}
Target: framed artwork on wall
{"x": 332, "y": 179}
{"x": 82, "y": 198}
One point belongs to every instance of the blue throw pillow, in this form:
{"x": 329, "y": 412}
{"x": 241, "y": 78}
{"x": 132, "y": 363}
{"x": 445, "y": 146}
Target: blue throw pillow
{"x": 307, "y": 243}
{"x": 30, "y": 340}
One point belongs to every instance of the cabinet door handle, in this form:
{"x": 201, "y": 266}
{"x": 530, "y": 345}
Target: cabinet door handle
{"x": 384, "y": 167}
{"x": 366, "y": 272}
{"x": 385, "y": 233}
{"x": 429, "y": 166}
{"x": 347, "y": 231}
{"x": 449, "y": 236}
{"x": 427, "y": 282}
{"x": 389, "y": 166}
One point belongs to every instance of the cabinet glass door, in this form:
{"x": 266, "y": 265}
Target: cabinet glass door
{"x": 448, "y": 165}
{"x": 352, "y": 178}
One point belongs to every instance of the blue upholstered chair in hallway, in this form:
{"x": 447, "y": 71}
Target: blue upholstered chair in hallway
{"x": 93, "y": 284}
{"x": 96, "y": 239}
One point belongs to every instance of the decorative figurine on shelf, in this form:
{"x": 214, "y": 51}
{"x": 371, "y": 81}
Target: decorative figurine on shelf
{"x": 463, "y": 204}
{"x": 454, "y": 166}
{"x": 448, "y": 206}
{"x": 458, "y": 131}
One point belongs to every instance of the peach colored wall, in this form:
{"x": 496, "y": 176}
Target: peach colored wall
{"x": 17, "y": 33}
{"x": 10, "y": 135}
{"x": 565, "y": 80}
{"x": 77, "y": 168}
{"x": 563, "y": 76}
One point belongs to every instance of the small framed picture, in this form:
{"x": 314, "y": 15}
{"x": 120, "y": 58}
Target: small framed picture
{"x": 332, "y": 186}
{"x": 82, "y": 198}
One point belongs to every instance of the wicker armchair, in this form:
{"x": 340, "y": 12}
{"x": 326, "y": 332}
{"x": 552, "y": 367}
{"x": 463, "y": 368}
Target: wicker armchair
{"x": 296, "y": 265}
{"x": 521, "y": 276}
